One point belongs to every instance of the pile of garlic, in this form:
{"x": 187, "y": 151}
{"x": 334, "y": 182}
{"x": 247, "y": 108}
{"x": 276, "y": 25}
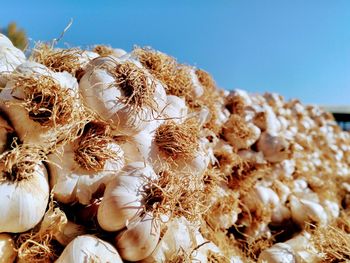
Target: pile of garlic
{"x": 109, "y": 156}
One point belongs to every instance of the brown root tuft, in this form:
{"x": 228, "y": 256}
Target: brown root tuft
{"x": 235, "y": 104}
{"x": 206, "y": 80}
{"x": 333, "y": 241}
{"x": 46, "y": 102}
{"x": 91, "y": 149}
{"x": 237, "y": 126}
{"x": 245, "y": 175}
{"x": 58, "y": 60}
{"x": 178, "y": 140}
{"x": 176, "y": 195}
{"x": 19, "y": 163}
{"x": 138, "y": 88}
{"x": 36, "y": 249}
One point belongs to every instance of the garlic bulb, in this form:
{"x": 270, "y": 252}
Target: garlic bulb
{"x": 305, "y": 211}
{"x": 239, "y": 134}
{"x": 224, "y": 210}
{"x": 139, "y": 239}
{"x": 7, "y": 249}
{"x": 88, "y": 248}
{"x": 86, "y": 164}
{"x": 122, "y": 91}
{"x": 267, "y": 121}
{"x": 179, "y": 147}
{"x": 274, "y": 148}
{"x": 304, "y": 249}
{"x": 23, "y": 178}
{"x": 261, "y": 196}
{"x": 43, "y": 106}
{"x": 123, "y": 198}
{"x": 182, "y": 240}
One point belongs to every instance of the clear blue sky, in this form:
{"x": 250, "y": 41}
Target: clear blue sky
{"x": 299, "y": 48}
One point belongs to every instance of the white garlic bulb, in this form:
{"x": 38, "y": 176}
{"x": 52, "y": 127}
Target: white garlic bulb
{"x": 240, "y": 134}
{"x": 24, "y": 179}
{"x": 122, "y": 91}
{"x": 88, "y": 248}
{"x": 305, "y": 211}
{"x": 85, "y": 165}
{"x": 123, "y": 198}
{"x": 179, "y": 146}
{"x": 43, "y": 106}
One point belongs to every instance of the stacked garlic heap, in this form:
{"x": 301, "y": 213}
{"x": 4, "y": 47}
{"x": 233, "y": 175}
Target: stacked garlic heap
{"x": 109, "y": 156}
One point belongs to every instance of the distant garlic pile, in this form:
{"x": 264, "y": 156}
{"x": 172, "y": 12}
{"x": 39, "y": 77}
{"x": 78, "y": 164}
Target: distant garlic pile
{"x": 109, "y": 156}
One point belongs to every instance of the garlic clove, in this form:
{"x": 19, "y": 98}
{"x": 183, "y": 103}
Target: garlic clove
{"x": 139, "y": 239}
{"x": 88, "y": 248}
{"x": 8, "y": 251}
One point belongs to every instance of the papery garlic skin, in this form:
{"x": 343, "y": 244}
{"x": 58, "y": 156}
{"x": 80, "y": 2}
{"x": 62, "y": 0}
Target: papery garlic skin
{"x": 8, "y": 251}
{"x": 88, "y": 248}
{"x": 139, "y": 239}
{"x": 24, "y": 202}
{"x": 123, "y": 199}
{"x": 71, "y": 182}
